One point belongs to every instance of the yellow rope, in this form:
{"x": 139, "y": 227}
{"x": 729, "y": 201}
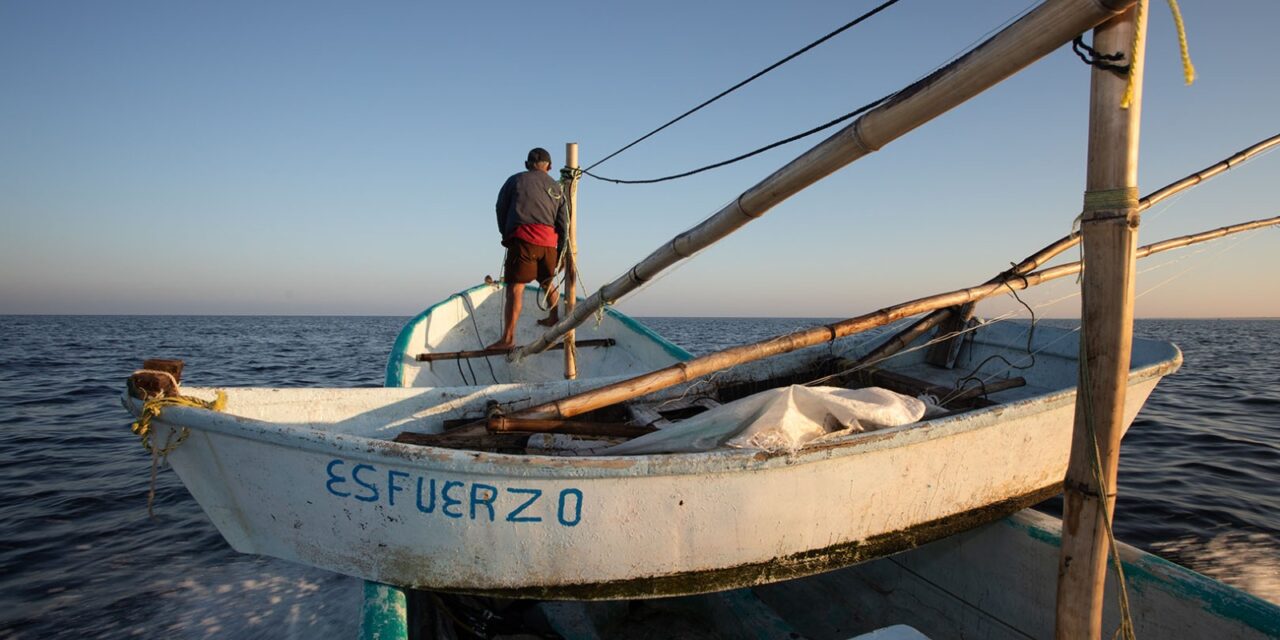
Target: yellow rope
{"x": 152, "y": 407}
{"x": 1188, "y": 70}
{"x": 1138, "y": 34}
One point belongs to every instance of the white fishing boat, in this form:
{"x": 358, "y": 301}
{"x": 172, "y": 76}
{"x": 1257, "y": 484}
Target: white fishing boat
{"x": 316, "y": 476}
{"x": 622, "y": 469}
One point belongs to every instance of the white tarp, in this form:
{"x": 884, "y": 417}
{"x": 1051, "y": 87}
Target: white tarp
{"x": 783, "y": 419}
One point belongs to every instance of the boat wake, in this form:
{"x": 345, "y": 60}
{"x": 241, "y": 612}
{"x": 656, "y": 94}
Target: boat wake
{"x": 253, "y": 600}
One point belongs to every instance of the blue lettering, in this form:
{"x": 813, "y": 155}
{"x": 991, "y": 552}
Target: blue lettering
{"x": 335, "y": 479}
{"x": 373, "y": 489}
{"x": 391, "y": 485}
{"x": 490, "y": 494}
{"x": 448, "y": 501}
{"x": 454, "y": 499}
{"x": 431, "y": 496}
{"x": 577, "y": 508}
{"x": 515, "y": 516}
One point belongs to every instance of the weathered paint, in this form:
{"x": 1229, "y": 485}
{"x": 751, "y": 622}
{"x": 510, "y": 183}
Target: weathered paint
{"x": 783, "y": 568}
{"x": 691, "y": 522}
{"x": 457, "y": 521}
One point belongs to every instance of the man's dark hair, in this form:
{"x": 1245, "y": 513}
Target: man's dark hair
{"x": 536, "y": 155}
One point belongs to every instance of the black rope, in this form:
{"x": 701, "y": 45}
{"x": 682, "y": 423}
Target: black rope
{"x": 735, "y": 87}
{"x": 859, "y": 111}
{"x": 1031, "y": 333}
{"x": 471, "y": 312}
{"x": 1094, "y": 58}
{"x": 462, "y": 375}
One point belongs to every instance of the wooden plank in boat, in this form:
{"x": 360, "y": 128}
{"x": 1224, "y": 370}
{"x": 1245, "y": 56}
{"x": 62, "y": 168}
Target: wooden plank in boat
{"x": 480, "y": 353}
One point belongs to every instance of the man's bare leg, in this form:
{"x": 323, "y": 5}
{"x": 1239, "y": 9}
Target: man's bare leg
{"x": 510, "y": 313}
{"x": 553, "y": 317}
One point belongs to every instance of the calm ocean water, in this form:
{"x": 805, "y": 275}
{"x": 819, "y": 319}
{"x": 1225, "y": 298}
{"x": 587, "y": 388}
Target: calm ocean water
{"x": 80, "y": 558}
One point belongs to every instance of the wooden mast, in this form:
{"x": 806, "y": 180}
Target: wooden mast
{"x": 1109, "y": 226}
{"x": 571, "y": 259}
{"x": 1039, "y": 32}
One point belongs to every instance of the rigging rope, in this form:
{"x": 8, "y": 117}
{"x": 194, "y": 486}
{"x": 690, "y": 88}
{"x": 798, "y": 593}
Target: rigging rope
{"x": 856, "y": 112}
{"x": 789, "y": 58}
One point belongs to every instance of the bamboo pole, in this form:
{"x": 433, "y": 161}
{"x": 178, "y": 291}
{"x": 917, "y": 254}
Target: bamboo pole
{"x": 1031, "y": 37}
{"x": 905, "y": 337}
{"x": 1109, "y": 230}
{"x": 571, "y": 260}
{"x": 688, "y": 370}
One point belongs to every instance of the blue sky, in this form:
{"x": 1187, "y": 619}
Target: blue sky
{"x": 343, "y": 157}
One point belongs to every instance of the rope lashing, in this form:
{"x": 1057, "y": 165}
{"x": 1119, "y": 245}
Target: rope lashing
{"x": 1122, "y": 199}
{"x": 1095, "y": 58}
{"x": 1111, "y": 199}
{"x": 1104, "y": 61}
{"x": 152, "y": 407}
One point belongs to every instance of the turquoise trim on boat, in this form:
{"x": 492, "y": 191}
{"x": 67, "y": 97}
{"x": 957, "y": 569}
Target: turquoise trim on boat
{"x": 385, "y": 613}
{"x": 395, "y": 361}
{"x": 1222, "y": 599}
{"x": 671, "y": 348}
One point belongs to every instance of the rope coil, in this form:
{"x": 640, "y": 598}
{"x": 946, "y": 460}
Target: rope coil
{"x": 152, "y": 407}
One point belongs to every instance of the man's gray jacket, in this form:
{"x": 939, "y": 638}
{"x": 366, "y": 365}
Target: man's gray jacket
{"x": 532, "y": 197}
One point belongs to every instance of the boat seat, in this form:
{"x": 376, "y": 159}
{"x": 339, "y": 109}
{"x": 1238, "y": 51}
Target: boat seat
{"x": 659, "y": 414}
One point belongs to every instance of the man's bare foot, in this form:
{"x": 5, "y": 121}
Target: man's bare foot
{"x": 501, "y": 345}
{"x": 550, "y": 321}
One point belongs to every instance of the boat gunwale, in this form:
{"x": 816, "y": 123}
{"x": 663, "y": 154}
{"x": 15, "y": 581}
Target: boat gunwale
{"x": 400, "y": 348}
{"x": 362, "y": 448}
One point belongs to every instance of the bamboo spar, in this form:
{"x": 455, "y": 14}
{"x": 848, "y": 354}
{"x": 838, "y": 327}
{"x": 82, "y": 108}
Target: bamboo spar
{"x": 1109, "y": 227}
{"x": 689, "y": 370}
{"x": 1039, "y": 32}
{"x": 1035, "y": 260}
{"x": 571, "y": 259}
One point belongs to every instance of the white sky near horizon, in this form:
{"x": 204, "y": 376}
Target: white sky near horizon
{"x": 343, "y": 158}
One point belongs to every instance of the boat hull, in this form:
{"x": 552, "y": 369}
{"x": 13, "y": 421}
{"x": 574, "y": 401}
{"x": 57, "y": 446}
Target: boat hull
{"x": 618, "y": 527}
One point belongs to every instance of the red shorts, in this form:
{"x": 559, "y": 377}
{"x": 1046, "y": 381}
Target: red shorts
{"x": 526, "y": 262}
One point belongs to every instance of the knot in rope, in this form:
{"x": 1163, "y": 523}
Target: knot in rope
{"x": 569, "y": 174}
{"x": 152, "y": 407}
{"x": 1104, "y": 61}
{"x": 1094, "y": 58}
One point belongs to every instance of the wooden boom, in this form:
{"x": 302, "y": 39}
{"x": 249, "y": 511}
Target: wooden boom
{"x": 1039, "y": 32}
{"x": 685, "y": 371}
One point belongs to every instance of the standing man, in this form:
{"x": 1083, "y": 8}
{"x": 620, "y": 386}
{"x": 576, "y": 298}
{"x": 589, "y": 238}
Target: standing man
{"x": 532, "y": 218}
